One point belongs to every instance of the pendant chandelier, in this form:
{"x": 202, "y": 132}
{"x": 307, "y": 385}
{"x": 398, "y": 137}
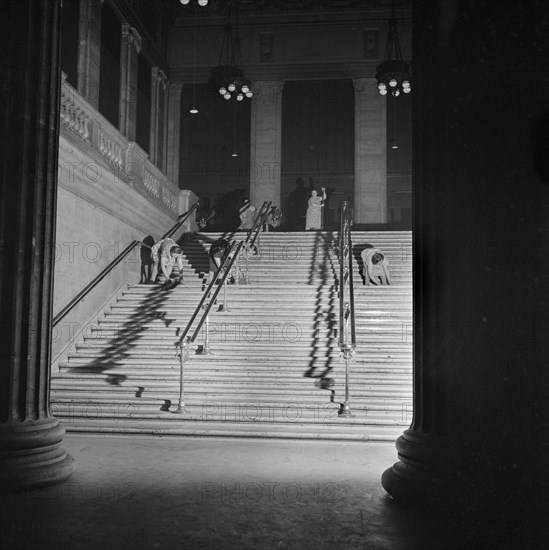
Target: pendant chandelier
{"x": 393, "y": 74}
{"x": 201, "y": 3}
{"x": 227, "y": 77}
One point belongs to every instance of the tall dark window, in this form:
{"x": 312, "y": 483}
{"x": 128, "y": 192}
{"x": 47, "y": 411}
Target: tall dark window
{"x": 206, "y": 164}
{"x": 143, "y": 122}
{"x": 69, "y": 40}
{"x": 109, "y": 71}
{"x": 318, "y": 144}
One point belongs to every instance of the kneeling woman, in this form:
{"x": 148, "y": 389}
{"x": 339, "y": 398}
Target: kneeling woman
{"x": 376, "y": 267}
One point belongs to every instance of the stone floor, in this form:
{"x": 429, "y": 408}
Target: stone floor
{"x": 185, "y": 493}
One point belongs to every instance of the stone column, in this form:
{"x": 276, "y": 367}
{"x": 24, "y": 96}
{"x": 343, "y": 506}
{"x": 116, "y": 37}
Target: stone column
{"x": 131, "y": 46}
{"x": 370, "y": 204}
{"x": 266, "y": 138}
{"x": 477, "y": 448}
{"x": 89, "y": 51}
{"x": 30, "y": 437}
{"x": 174, "y": 131}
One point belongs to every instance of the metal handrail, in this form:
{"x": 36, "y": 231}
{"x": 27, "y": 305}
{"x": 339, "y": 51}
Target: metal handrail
{"x": 182, "y": 218}
{"x": 226, "y": 264}
{"x": 347, "y": 334}
{"x": 92, "y": 284}
{"x": 259, "y": 220}
{"x": 253, "y": 236}
{"x": 182, "y": 345}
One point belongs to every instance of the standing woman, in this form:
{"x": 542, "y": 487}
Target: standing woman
{"x": 313, "y": 219}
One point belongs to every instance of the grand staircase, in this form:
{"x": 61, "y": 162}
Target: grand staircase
{"x": 271, "y": 365}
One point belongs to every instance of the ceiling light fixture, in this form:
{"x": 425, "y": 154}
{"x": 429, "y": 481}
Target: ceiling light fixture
{"x": 393, "y": 74}
{"x": 227, "y": 77}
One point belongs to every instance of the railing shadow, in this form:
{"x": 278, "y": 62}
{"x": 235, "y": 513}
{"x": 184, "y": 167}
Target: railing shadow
{"x": 126, "y": 338}
{"x": 201, "y": 264}
{"x": 323, "y": 274}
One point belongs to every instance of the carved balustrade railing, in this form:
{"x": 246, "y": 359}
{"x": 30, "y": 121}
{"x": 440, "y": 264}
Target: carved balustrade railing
{"x": 129, "y": 162}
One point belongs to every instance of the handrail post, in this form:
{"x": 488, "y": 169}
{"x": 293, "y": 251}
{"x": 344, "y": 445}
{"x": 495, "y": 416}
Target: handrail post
{"x": 223, "y": 306}
{"x": 206, "y": 346}
{"x": 347, "y": 355}
{"x": 346, "y": 304}
{"x": 183, "y": 356}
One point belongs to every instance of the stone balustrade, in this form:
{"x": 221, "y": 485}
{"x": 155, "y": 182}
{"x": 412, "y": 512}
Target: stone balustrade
{"x": 152, "y": 179}
{"x": 127, "y": 159}
{"x": 111, "y": 147}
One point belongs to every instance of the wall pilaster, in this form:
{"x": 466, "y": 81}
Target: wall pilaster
{"x": 370, "y": 204}
{"x": 266, "y": 137}
{"x": 173, "y": 131}
{"x": 131, "y": 46}
{"x": 89, "y": 51}
{"x": 159, "y": 83}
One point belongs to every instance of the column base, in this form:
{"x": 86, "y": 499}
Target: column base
{"x": 31, "y": 456}
{"x": 464, "y": 482}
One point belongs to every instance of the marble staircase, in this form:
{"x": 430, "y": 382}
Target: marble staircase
{"x": 273, "y": 367}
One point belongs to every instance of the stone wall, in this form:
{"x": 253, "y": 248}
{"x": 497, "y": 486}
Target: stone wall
{"x": 109, "y": 195}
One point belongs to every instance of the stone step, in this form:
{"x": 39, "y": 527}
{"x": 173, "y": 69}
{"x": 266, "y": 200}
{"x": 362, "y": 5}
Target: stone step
{"x": 239, "y": 343}
{"x": 286, "y": 392}
{"x": 126, "y": 405}
{"x": 166, "y": 322}
{"x": 221, "y": 352}
{"x": 337, "y": 429}
{"x": 217, "y": 358}
{"x": 279, "y": 292}
{"x": 266, "y": 329}
{"x": 126, "y": 368}
{"x": 158, "y": 379}
{"x": 228, "y": 366}
{"x": 226, "y": 379}
{"x": 272, "y": 310}
{"x": 235, "y": 412}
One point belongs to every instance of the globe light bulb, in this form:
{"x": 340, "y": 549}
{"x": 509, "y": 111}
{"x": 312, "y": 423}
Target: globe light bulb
{"x": 245, "y": 89}
{"x": 183, "y": 2}
{"x": 383, "y": 91}
{"x": 393, "y": 82}
{"x": 222, "y": 90}
{"x": 202, "y": 3}
{"x": 405, "y": 84}
{"x": 194, "y": 110}
{"x": 396, "y": 93}
{"x": 231, "y": 87}
{"x": 239, "y": 97}
{"x": 227, "y": 95}
{"x": 249, "y": 94}
{"x": 407, "y": 90}
{"x": 381, "y": 86}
